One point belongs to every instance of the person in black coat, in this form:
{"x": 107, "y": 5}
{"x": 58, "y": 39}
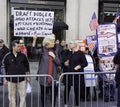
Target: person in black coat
{"x": 116, "y": 61}
{"x": 76, "y": 62}
{"x": 16, "y": 63}
{"x": 3, "y": 51}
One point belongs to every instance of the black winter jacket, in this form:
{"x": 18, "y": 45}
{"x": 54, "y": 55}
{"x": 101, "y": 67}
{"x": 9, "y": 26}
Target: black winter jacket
{"x": 18, "y": 65}
{"x": 3, "y": 51}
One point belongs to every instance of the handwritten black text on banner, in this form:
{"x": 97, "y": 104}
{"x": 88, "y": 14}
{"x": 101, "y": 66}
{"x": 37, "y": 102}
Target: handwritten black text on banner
{"x": 27, "y": 23}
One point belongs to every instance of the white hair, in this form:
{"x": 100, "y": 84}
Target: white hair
{"x": 48, "y": 39}
{"x": 75, "y": 42}
{"x": 21, "y": 41}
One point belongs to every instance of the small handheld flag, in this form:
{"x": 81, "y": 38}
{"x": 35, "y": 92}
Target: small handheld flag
{"x": 94, "y": 22}
{"x": 116, "y": 17}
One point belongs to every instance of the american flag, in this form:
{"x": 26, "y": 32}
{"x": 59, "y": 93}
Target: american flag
{"x": 94, "y": 22}
{"x": 116, "y": 17}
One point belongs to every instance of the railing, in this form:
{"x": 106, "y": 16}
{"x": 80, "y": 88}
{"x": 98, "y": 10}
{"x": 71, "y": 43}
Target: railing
{"x": 94, "y": 99}
{"x": 32, "y": 99}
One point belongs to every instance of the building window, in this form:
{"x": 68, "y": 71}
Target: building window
{"x": 59, "y": 16}
{"x": 107, "y": 11}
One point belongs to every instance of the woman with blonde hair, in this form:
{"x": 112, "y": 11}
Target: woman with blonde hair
{"x": 76, "y": 62}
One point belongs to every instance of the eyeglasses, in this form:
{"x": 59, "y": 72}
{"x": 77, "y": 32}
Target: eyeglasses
{"x": 21, "y": 43}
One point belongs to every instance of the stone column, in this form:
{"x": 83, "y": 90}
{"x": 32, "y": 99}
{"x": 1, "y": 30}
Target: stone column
{"x": 72, "y": 19}
{"x": 86, "y": 9}
{"x": 78, "y": 16}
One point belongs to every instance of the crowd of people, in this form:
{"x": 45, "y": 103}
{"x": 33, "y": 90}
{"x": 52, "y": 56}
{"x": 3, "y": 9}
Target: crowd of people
{"x": 54, "y": 58}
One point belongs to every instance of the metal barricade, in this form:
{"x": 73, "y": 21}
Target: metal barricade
{"x": 99, "y": 94}
{"x": 33, "y": 99}
{"x": 100, "y": 90}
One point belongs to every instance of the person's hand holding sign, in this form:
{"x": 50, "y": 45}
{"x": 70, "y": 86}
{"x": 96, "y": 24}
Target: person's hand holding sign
{"x": 34, "y": 40}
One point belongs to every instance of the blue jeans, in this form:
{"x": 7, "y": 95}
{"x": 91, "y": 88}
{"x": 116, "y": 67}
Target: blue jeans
{"x": 109, "y": 89}
{"x": 118, "y": 97}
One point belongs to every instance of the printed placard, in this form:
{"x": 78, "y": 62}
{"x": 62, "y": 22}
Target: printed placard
{"x": 107, "y": 40}
{"x": 91, "y": 43}
{"x": 106, "y": 65}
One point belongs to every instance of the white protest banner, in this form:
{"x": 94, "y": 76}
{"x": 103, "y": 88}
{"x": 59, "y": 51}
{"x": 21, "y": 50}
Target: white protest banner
{"x": 90, "y": 79}
{"x": 107, "y": 40}
{"x": 27, "y": 23}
